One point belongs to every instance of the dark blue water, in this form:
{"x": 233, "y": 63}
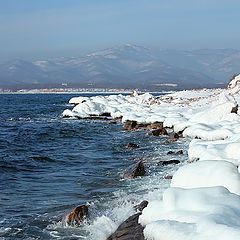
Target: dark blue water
{"x": 48, "y": 165}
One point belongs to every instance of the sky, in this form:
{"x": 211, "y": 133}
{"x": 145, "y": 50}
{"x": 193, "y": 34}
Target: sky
{"x": 34, "y": 29}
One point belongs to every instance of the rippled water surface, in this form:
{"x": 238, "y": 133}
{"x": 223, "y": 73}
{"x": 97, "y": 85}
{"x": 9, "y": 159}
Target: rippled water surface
{"x": 48, "y": 165}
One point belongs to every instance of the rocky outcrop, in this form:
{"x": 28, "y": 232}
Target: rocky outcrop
{"x": 135, "y": 170}
{"x": 130, "y": 229}
{"x": 76, "y": 216}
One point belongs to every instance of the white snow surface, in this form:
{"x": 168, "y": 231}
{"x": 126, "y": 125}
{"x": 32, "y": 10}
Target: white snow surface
{"x": 203, "y": 199}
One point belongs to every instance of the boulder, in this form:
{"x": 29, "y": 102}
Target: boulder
{"x": 77, "y": 215}
{"x": 135, "y": 170}
{"x": 130, "y": 229}
{"x": 132, "y": 145}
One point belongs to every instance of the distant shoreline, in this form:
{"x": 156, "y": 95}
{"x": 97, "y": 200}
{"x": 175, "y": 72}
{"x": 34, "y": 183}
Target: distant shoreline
{"x": 60, "y": 91}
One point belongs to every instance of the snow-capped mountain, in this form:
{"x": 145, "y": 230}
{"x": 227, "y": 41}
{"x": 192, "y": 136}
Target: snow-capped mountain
{"x": 126, "y": 66}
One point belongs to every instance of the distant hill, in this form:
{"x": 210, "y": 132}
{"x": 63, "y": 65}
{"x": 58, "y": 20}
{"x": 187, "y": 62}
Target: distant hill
{"x": 127, "y": 66}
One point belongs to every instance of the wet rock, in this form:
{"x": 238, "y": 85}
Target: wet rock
{"x": 173, "y": 137}
{"x": 159, "y": 131}
{"x": 179, "y": 152}
{"x": 133, "y": 125}
{"x": 135, "y": 170}
{"x": 132, "y": 145}
{"x": 155, "y": 125}
{"x": 139, "y": 207}
{"x": 130, "y": 125}
{"x": 234, "y": 109}
{"x": 130, "y": 229}
{"x": 77, "y": 215}
{"x": 168, "y": 162}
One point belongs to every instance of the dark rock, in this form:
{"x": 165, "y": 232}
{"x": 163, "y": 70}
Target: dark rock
{"x": 159, "y": 131}
{"x": 179, "y": 152}
{"x": 168, "y": 177}
{"x": 105, "y": 114}
{"x": 168, "y": 162}
{"x": 112, "y": 122}
{"x": 173, "y": 137}
{"x": 130, "y": 229}
{"x": 234, "y": 109}
{"x": 133, "y": 125}
{"x": 132, "y": 145}
{"x": 155, "y": 125}
{"x": 77, "y": 215}
{"x": 130, "y": 125}
{"x": 135, "y": 170}
{"x": 141, "y": 206}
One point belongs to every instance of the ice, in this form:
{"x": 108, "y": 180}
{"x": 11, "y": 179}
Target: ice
{"x": 198, "y": 213}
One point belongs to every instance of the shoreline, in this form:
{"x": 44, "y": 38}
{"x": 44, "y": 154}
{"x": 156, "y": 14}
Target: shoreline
{"x": 210, "y": 119}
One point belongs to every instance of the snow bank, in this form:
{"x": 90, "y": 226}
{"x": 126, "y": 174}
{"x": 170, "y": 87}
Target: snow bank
{"x": 227, "y": 150}
{"x": 208, "y": 174}
{"x": 194, "y": 214}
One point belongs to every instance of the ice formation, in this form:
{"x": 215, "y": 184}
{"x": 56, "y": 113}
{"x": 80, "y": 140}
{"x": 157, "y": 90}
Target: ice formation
{"x": 203, "y": 200}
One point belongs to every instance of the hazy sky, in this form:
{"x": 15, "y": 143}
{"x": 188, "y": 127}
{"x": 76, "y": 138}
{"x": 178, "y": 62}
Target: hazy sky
{"x": 49, "y": 28}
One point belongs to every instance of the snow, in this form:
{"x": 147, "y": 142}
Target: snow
{"x": 194, "y": 214}
{"x": 203, "y": 199}
{"x": 208, "y": 174}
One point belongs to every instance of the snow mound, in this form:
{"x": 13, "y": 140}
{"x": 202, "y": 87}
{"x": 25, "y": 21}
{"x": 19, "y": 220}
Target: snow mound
{"x": 194, "y": 214}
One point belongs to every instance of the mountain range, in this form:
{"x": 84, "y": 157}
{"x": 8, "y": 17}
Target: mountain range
{"x": 126, "y": 66}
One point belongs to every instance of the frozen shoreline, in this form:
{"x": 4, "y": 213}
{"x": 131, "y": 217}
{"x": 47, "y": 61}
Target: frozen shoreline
{"x": 203, "y": 199}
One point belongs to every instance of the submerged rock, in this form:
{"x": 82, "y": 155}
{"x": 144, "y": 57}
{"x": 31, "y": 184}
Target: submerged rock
{"x": 132, "y": 145}
{"x": 130, "y": 229}
{"x": 135, "y": 170}
{"x": 179, "y": 152}
{"x": 173, "y": 137}
{"x": 77, "y": 215}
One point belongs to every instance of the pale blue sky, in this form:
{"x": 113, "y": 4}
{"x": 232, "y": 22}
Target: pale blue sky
{"x": 50, "y": 28}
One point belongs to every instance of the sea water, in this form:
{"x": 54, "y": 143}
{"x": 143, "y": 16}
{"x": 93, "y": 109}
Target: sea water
{"x": 49, "y": 165}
